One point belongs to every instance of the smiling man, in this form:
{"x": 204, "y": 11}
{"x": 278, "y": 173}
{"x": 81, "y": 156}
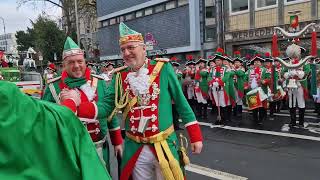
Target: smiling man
{"x": 84, "y": 93}
{"x": 144, "y": 90}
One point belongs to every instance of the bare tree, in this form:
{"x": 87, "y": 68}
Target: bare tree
{"x": 67, "y": 7}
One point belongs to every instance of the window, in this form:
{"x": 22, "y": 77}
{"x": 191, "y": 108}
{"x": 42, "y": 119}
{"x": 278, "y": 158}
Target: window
{"x": 121, "y": 19}
{"x": 210, "y": 12}
{"x": 238, "y": 6}
{"x": 105, "y": 23}
{"x": 129, "y": 17}
{"x": 148, "y": 11}
{"x": 113, "y": 21}
{"x": 294, "y": 1}
{"x": 159, "y": 8}
{"x": 139, "y": 13}
{"x": 182, "y": 2}
{"x": 170, "y": 5}
{"x": 261, "y": 4}
{"x": 210, "y": 34}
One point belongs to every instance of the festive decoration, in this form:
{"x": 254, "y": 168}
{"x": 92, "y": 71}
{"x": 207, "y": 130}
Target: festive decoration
{"x": 294, "y": 21}
{"x": 314, "y": 51}
{"x": 173, "y": 58}
{"x": 189, "y": 57}
{"x": 237, "y": 54}
{"x": 220, "y": 51}
{"x": 275, "y": 51}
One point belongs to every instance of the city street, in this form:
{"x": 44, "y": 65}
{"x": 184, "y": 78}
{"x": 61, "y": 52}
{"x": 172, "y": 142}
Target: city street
{"x": 246, "y": 151}
{"x": 271, "y": 151}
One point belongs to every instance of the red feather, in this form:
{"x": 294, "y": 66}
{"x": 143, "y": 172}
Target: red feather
{"x": 220, "y": 50}
{"x": 267, "y": 54}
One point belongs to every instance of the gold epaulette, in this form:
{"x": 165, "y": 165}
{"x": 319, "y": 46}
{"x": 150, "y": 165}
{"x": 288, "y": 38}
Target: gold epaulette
{"x": 118, "y": 69}
{"x": 97, "y": 76}
{"x": 162, "y": 59}
{"x": 53, "y": 80}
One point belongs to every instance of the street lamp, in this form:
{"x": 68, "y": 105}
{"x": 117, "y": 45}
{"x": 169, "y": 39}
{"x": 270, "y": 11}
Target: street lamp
{"x": 4, "y": 30}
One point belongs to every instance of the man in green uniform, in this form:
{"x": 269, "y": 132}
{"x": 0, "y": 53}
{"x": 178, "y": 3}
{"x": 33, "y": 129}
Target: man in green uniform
{"x": 144, "y": 90}
{"x": 84, "y": 94}
{"x": 202, "y": 87}
{"x": 238, "y": 78}
{"x": 256, "y": 84}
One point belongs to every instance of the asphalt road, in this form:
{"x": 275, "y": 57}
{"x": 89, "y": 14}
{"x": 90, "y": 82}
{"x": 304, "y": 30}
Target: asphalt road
{"x": 247, "y": 151}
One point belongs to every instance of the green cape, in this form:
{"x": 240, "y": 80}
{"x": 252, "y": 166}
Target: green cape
{"x": 42, "y": 140}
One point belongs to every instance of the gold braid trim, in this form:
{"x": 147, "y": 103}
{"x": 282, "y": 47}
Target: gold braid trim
{"x": 169, "y": 165}
{"x": 121, "y": 102}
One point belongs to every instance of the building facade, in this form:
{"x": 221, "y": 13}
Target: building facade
{"x": 8, "y": 42}
{"x": 87, "y": 24}
{"x": 249, "y": 24}
{"x": 170, "y": 27}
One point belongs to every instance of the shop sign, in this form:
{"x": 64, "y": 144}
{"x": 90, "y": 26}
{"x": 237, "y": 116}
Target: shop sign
{"x": 157, "y": 52}
{"x": 258, "y": 33}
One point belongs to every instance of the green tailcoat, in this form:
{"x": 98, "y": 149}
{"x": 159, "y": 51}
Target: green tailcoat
{"x": 165, "y": 89}
{"x": 41, "y": 140}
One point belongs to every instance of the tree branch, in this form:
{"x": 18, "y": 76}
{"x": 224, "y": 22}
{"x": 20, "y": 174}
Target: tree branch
{"x": 20, "y": 2}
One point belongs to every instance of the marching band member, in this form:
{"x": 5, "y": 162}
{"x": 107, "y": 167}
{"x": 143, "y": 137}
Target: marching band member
{"x": 221, "y": 85}
{"x": 189, "y": 83}
{"x": 239, "y": 75}
{"x": 256, "y": 82}
{"x": 202, "y": 87}
{"x": 296, "y": 84}
{"x": 175, "y": 115}
{"x": 270, "y": 71}
{"x": 51, "y": 72}
{"x": 107, "y": 72}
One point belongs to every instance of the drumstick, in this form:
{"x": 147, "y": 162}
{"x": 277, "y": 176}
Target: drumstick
{"x": 218, "y": 106}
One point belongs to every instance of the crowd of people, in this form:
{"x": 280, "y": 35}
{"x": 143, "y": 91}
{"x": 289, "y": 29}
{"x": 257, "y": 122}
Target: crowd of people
{"x": 259, "y": 84}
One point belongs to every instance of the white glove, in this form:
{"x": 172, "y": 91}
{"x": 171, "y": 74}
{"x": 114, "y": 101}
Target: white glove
{"x": 300, "y": 74}
{"x": 215, "y": 84}
{"x": 314, "y": 97}
{"x": 293, "y": 73}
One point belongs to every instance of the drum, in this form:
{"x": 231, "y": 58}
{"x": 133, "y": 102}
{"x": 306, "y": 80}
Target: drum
{"x": 255, "y": 97}
{"x": 93, "y": 127}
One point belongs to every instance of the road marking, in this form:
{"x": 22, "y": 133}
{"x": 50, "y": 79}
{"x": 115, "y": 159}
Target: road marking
{"x": 213, "y": 173}
{"x": 298, "y": 136}
{"x": 288, "y": 115}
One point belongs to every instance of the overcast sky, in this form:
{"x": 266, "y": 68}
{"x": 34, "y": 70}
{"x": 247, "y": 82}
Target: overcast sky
{"x": 19, "y": 19}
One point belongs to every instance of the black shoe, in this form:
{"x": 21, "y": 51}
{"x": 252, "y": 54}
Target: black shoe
{"x": 301, "y": 125}
{"x": 292, "y": 125}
